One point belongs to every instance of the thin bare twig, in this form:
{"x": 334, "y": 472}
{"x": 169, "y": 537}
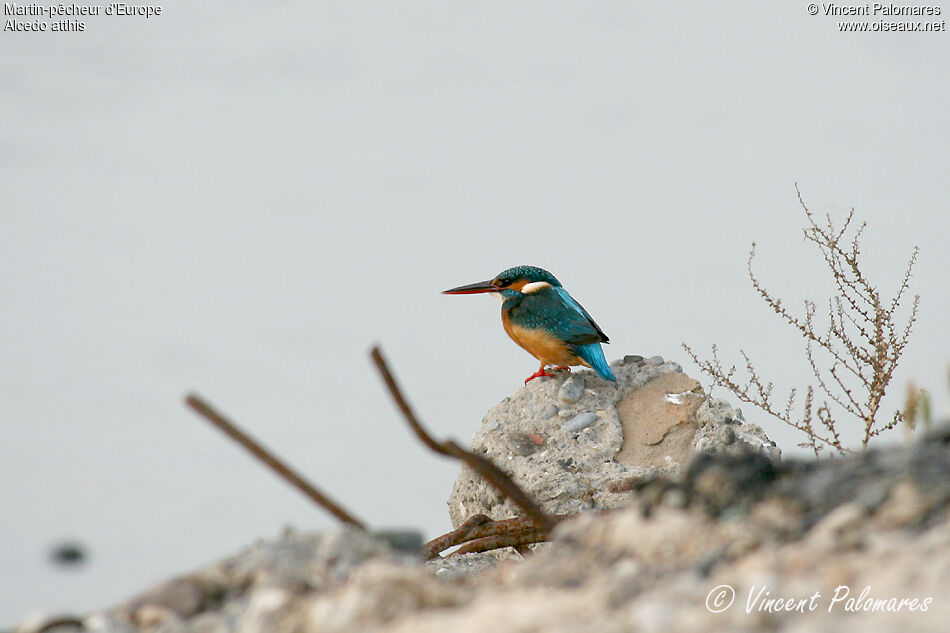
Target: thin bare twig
{"x": 495, "y": 476}
{"x": 269, "y": 460}
{"x": 862, "y": 342}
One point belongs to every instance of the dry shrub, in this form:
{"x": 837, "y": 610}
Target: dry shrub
{"x": 852, "y": 359}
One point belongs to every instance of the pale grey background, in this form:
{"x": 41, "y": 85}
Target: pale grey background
{"x": 240, "y": 198}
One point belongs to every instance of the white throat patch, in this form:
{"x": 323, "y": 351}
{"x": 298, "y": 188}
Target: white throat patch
{"x": 535, "y": 286}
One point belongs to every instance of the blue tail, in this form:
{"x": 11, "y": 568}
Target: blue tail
{"x": 594, "y": 355}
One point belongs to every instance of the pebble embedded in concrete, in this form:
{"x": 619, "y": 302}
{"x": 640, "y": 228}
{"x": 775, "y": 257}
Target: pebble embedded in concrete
{"x": 523, "y": 444}
{"x": 727, "y": 435}
{"x": 580, "y": 422}
{"x": 572, "y": 389}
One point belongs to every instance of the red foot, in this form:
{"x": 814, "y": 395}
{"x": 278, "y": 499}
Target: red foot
{"x": 538, "y": 374}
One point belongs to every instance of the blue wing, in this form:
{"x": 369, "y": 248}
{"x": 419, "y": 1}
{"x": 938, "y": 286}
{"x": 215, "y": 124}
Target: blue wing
{"x": 554, "y": 310}
{"x": 572, "y": 302}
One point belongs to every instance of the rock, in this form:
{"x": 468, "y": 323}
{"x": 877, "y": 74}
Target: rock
{"x": 523, "y": 443}
{"x": 55, "y": 624}
{"x": 724, "y": 481}
{"x": 181, "y": 596}
{"x": 153, "y": 616}
{"x": 549, "y": 411}
{"x": 658, "y": 421}
{"x": 873, "y": 528}
{"x": 652, "y": 420}
{"x": 255, "y": 589}
{"x": 407, "y": 541}
{"x": 721, "y": 428}
{"x": 377, "y": 594}
{"x": 210, "y": 622}
{"x": 461, "y": 566}
{"x": 572, "y": 390}
{"x": 579, "y": 422}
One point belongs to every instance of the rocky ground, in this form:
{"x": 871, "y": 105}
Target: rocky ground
{"x": 665, "y": 538}
{"x": 569, "y": 441}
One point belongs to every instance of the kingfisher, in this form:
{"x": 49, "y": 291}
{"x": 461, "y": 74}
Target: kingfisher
{"x": 540, "y": 316}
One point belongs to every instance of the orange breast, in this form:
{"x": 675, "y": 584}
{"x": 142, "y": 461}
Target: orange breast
{"x": 547, "y": 348}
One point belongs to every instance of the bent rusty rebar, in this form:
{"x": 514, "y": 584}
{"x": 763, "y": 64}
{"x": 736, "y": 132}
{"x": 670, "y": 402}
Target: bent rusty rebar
{"x": 270, "y": 460}
{"x": 495, "y": 476}
{"x": 480, "y": 534}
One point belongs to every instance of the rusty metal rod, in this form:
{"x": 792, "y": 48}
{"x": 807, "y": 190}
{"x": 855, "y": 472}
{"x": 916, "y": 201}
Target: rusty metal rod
{"x": 495, "y": 476}
{"x": 271, "y": 461}
{"x": 497, "y": 541}
{"x": 436, "y": 546}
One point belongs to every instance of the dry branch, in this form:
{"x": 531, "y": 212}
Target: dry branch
{"x": 859, "y": 350}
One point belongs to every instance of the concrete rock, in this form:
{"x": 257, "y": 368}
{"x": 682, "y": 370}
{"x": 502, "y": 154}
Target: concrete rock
{"x": 596, "y": 433}
{"x": 723, "y": 429}
{"x": 659, "y": 421}
{"x": 379, "y": 593}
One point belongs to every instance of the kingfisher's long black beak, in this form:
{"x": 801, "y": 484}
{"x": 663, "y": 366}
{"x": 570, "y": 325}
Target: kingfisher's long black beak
{"x": 472, "y": 289}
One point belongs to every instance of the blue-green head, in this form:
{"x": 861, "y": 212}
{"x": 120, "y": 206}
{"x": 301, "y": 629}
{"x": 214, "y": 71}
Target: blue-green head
{"x": 511, "y": 282}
